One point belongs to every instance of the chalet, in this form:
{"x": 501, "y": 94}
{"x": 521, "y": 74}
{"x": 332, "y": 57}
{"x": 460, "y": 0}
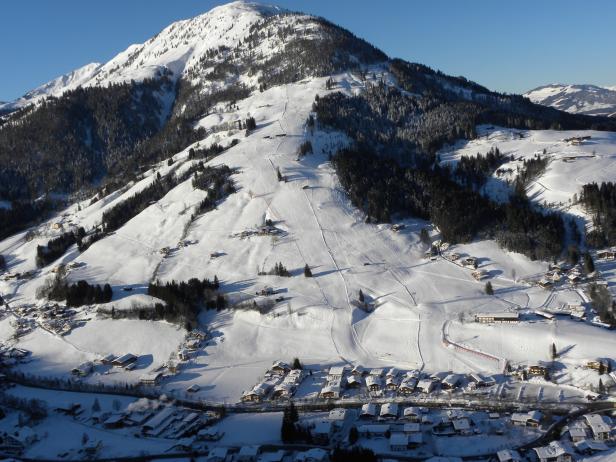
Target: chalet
{"x": 499, "y": 317}
{"x": 280, "y": 368}
{"x": 451, "y": 381}
{"x": 331, "y": 392}
{"x": 426, "y": 386}
{"x": 391, "y": 383}
{"x": 357, "y": 371}
{"x": 337, "y": 415}
{"x": 124, "y": 360}
{"x": 397, "y": 227}
{"x": 265, "y": 291}
{"x": 368, "y": 410}
{"x": 508, "y": 455}
{"x": 392, "y": 373}
{"x": 407, "y": 386}
{"x": 412, "y": 414}
{"x": 574, "y": 278}
{"x": 173, "y": 367}
{"x": 322, "y": 432}
{"x": 151, "y": 378}
{"x": 161, "y": 419}
{"x": 373, "y": 431}
{"x": 10, "y": 445}
{"x": 248, "y": 454}
{"x": 597, "y": 364}
{"x": 373, "y": 383}
{"x": 283, "y": 390}
{"x": 83, "y": 370}
{"x": 546, "y": 283}
{"x": 553, "y": 452}
{"x": 165, "y": 251}
{"x": 526, "y": 419}
{"x": 114, "y": 421}
{"x": 577, "y": 434}
{"x": 398, "y": 442}
{"x": 72, "y": 409}
{"x": 336, "y": 372}
{"x": 600, "y": 426}
{"x": 389, "y": 411}
{"x": 183, "y": 355}
{"x": 453, "y": 256}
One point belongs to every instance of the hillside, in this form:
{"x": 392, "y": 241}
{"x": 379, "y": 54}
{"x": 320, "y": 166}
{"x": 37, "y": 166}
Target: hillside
{"x": 577, "y": 99}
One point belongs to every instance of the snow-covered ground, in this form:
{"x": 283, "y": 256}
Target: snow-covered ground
{"x": 317, "y": 322}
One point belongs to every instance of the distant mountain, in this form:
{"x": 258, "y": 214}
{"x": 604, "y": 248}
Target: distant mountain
{"x": 577, "y": 99}
{"x": 55, "y": 87}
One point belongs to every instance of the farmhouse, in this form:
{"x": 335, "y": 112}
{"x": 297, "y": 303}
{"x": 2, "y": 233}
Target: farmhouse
{"x": 335, "y": 373}
{"x": 391, "y": 383}
{"x": 407, "y": 386}
{"x": 500, "y": 317}
{"x": 331, "y": 392}
{"x": 590, "y": 447}
{"x": 451, "y": 381}
{"x": 354, "y": 381}
{"x": 280, "y": 368}
{"x": 83, "y": 369}
{"x": 606, "y": 255}
{"x": 539, "y": 371}
{"x": 577, "y": 434}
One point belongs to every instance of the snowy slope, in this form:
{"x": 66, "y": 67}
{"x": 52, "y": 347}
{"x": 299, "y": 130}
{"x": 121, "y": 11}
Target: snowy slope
{"x": 577, "y": 99}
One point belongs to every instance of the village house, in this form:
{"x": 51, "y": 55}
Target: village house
{"x": 606, "y": 255}
{"x": 577, "y": 433}
{"x": 331, "y": 391}
{"x": 391, "y": 383}
{"x": 373, "y": 383}
{"x": 539, "y": 371}
{"x": 498, "y": 317}
{"x": 407, "y": 386}
{"x": 412, "y": 414}
{"x": 469, "y": 262}
{"x": 368, "y": 411}
{"x": 527, "y": 419}
{"x": 398, "y": 442}
{"x": 553, "y": 452}
{"x": 481, "y": 381}
{"x": 335, "y": 373}
{"x": 357, "y": 371}
{"x": 280, "y": 368}
{"x": 600, "y": 426}
{"x": 108, "y": 359}
{"x": 426, "y": 385}
{"x": 337, "y": 415}
{"x": 389, "y": 411}
{"x": 450, "y": 382}
{"x": 480, "y": 274}
{"x": 377, "y": 373}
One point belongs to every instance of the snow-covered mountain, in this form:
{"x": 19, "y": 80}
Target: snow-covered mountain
{"x": 577, "y": 99}
{"x": 55, "y": 87}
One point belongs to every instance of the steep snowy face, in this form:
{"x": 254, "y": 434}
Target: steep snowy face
{"x": 181, "y": 45}
{"x": 55, "y": 87}
{"x": 577, "y": 99}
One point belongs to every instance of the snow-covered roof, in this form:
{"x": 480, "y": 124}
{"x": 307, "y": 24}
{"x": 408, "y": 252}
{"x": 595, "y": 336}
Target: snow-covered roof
{"x": 398, "y": 439}
{"x": 554, "y": 449}
{"x": 508, "y": 455}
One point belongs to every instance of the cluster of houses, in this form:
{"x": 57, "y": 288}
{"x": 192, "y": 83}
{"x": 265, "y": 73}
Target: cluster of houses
{"x": 379, "y": 381}
{"x": 279, "y": 382}
{"x": 17, "y": 441}
{"x": 558, "y": 273}
{"x": 22, "y": 326}
{"x": 53, "y": 317}
{"x": 589, "y": 435}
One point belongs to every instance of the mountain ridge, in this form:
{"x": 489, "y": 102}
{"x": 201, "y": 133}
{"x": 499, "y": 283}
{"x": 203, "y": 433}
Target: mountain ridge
{"x": 576, "y": 98}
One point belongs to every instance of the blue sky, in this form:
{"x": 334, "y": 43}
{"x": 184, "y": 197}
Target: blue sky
{"x": 506, "y": 46}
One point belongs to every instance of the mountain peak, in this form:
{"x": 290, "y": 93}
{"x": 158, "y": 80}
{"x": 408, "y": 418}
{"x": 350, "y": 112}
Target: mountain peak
{"x": 576, "y": 98}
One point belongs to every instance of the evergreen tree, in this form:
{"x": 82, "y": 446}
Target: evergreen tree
{"x": 361, "y": 296}
{"x": 353, "y": 435}
{"x": 278, "y": 174}
{"x": 489, "y": 289}
{"x": 297, "y": 364}
{"x": 589, "y": 264}
{"x": 307, "y": 271}
{"x": 553, "y": 351}
{"x": 96, "y": 406}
